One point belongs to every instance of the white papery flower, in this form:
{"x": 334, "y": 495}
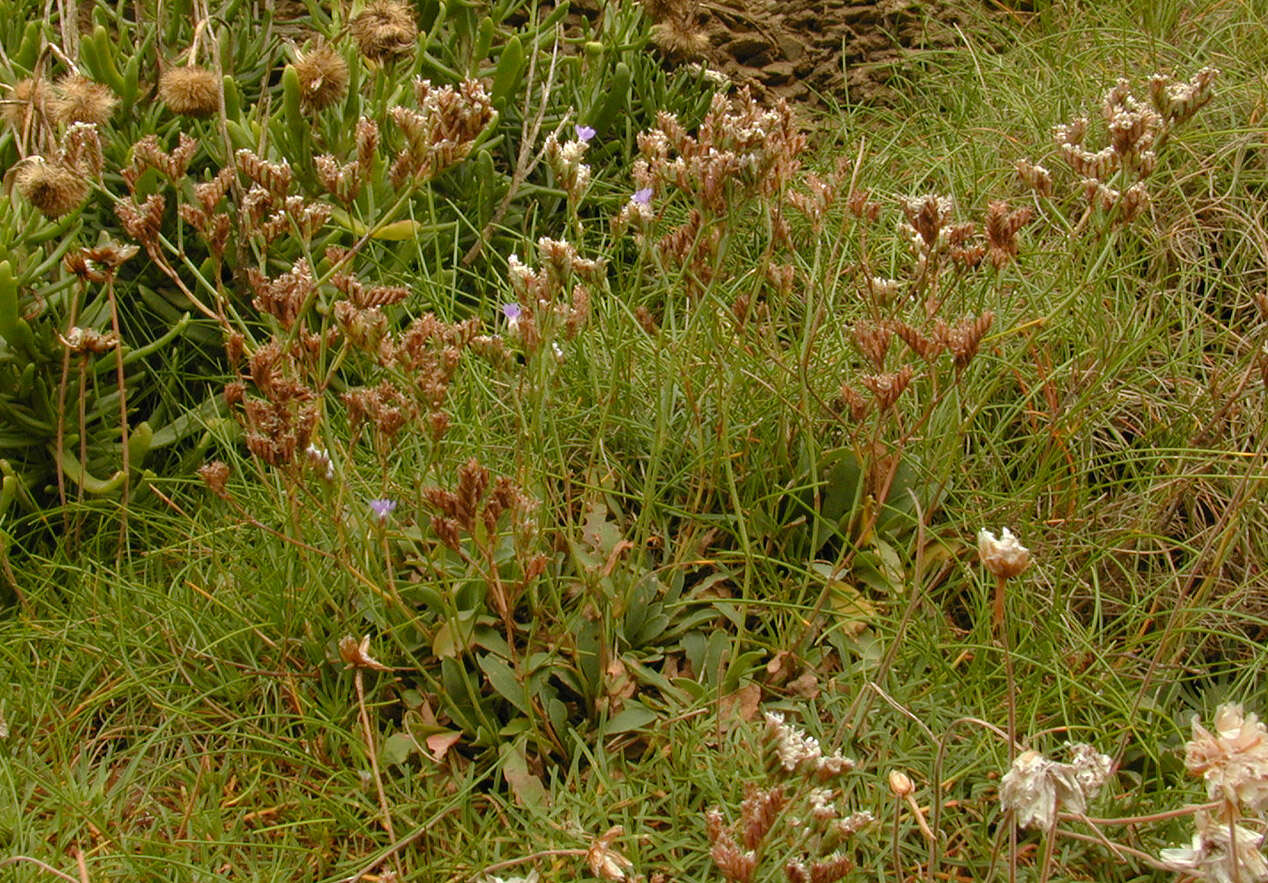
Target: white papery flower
{"x": 1209, "y": 858}
{"x": 1004, "y": 555}
{"x": 1036, "y": 788}
{"x": 1234, "y": 759}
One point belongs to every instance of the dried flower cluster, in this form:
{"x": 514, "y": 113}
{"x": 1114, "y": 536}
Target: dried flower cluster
{"x": 280, "y": 421}
{"x": 799, "y": 814}
{"x": 1113, "y": 177}
{"x": 1004, "y": 556}
{"x": 1220, "y": 854}
{"x": 345, "y": 180}
{"x": 741, "y": 152}
{"x": 546, "y": 305}
{"x": 442, "y": 131}
{"x": 1233, "y": 760}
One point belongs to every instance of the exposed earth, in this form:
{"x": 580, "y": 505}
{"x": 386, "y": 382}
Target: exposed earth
{"x": 804, "y": 49}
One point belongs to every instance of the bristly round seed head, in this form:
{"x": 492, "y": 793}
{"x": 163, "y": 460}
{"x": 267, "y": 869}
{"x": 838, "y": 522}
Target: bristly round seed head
{"x": 323, "y": 76}
{"x": 385, "y": 30}
{"x": 190, "y": 91}
{"x": 29, "y": 99}
{"x": 51, "y": 187}
{"x": 81, "y": 100}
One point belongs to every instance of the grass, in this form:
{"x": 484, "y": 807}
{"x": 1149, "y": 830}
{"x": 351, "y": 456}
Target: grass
{"x": 696, "y": 530}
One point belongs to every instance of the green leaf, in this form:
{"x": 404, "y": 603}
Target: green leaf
{"x": 503, "y": 679}
{"x": 397, "y": 749}
{"x": 634, "y": 716}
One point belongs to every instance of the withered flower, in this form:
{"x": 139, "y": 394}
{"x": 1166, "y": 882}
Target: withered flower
{"x": 357, "y": 655}
{"x": 190, "y": 91}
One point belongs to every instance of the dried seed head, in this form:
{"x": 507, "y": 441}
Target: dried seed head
{"x": 323, "y": 76}
{"x": 858, "y": 406}
{"x": 215, "y": 474}
{"x": 385, "y": 30}
{"x": 831, "y": 869}
{"x": 873, "y": 339}
{"x": 190, "y": 91}
{"x": 758, "y": 813}
{"x": 29, "y": 101}
{"x": 51, "y": 187}
{"x": 1135, "y": 201}
{"x": 81, "y": 100}
{"x": 734, "y": 866}
{"x": 678, "y": 39}
{"x": 886, "y": 388}
{"x": 928, "y": 348}
{"x": 1001, "y": 231}
{"x": 84, "y": 341}
{"x": 1038, "y": 177}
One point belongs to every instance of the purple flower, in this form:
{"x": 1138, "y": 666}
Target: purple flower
{"x": 513, "y": 312}
{"x": 584, "y": 133}
{"x": 382, "y": 508}
{"x": 643, "y": 196}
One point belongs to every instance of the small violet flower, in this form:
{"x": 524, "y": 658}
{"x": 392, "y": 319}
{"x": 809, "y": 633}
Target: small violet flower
{"x": 382, "y": 508}
{"x": 584, "y": 133}
{"x": 643, "y": 196}
{"x": 513, "y": 312}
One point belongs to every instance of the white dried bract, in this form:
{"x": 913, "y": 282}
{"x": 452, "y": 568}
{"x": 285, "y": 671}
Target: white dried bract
{"x": 1004, "y": 555}
{"x": 1233, "y": 760}
{"x": 1209, "y": 856}
{"x": 795, "y": 752}
{"x": 1036, "y": 788}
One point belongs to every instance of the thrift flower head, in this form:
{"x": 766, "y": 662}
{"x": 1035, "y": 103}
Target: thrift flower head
{"x": 1003, "y": 556}
{"x": 513, "y": 312}
{"x": 1233, "y": 760}
{"x": 1036, "y": 788}
{"x": 1209, "y": 857}
{"x": 584, "y": 133}
{"x": 382, "y": 508}
{"x": 642, "y": 196}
